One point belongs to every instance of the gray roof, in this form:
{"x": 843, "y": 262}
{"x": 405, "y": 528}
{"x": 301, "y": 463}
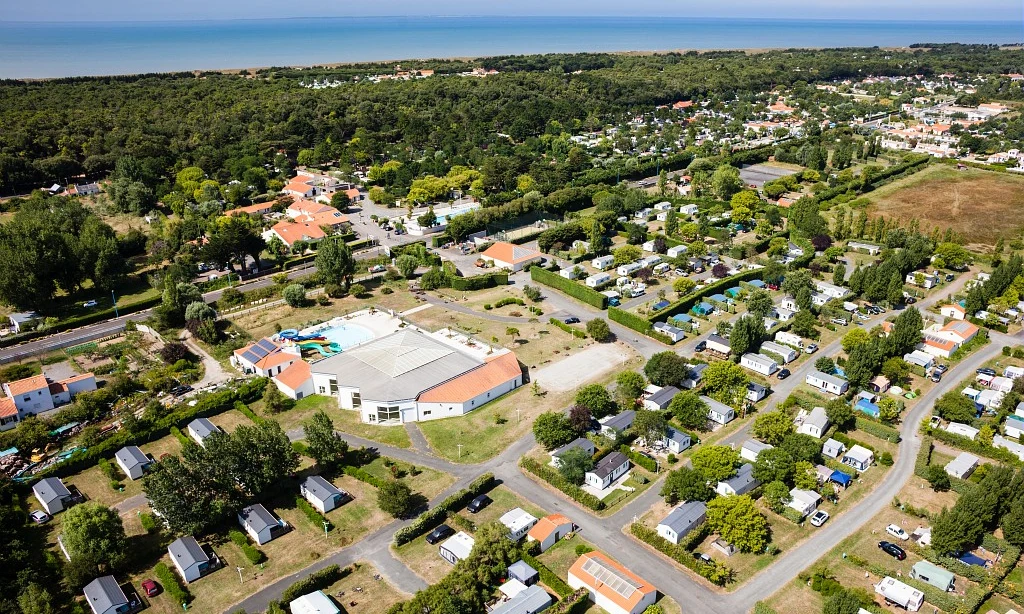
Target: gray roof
{"x": 777, "y": 348}
{"x": 835, "y": 380}
{"x": 22, "y": 318}
{"x": 532, "y": 600}
{"x": 755, "y": 387}
{"x": 50, "y": 489}
{"x": 620, "y": 421}
{"x": 717, "y": 406}
{"x": 132, "y": 456}
{"x": 962, "y": 463}
{"x": 668, "y": 328}
{"x": 756, "y": 446}
{"x": 202, "y": 427}
{"x": 718, "y": 339}
{"x": 398, "y": 366}
{"x": 685, "y": 517}
{"x": 320, "y": 488}
{"x": 104, "y": 593}
{"x": 520, "y": 569}
{"x": 672, "y": 434}
{"x": 664, "y": 396}
{"x": 580, "y": 442}
{"x": 697, "y": 371}
{"x": 760, "y": 359}
{"x": 608, "y": 464}
{"x": 186, "y": 551}
{"x": 257, "y": 518}
{"x": 817, "y": 418}
{"x": 744, "y": 480}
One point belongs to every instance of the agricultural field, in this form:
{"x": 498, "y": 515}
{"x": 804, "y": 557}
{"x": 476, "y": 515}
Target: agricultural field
{"x": 981, "y": 205}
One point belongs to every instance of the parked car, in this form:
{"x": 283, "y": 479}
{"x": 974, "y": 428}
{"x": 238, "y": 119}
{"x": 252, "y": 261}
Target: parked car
{"x": 840, "y": 321}
{"x": 892, "y": 550}
{"x": 949, "y": 277}
{"x": 811, "y": 348}
{"x": 703, "y": 558}
{"x": 863, "y": 316}
{"x": 783, "y": 374}
{"x": 940, "y": 369}
{"x": 897, "y": 531}
{"x": 910, "y": 300}
{"x": 819, "y": 518}
{"x": 377, "y": 268}
{"x": 39, "y": 517}
{"x": 986, "y": 371}
{"x": 936, "y": 377}
{"x": 151, "y": 588}
{"x": 439, "y": 533}
{"x": 180, "y": 390}
{"x": 570, "y": 320}
{"x": 478, "y": 504}
{"x": 703, "y": 345}
{"x": 89, "y": 304}
{"x": 934, "y": 422}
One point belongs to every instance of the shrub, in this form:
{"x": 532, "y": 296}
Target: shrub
{"x": 294, "y": 295}
{"x": 582, "y": 549}
{"x": 255, "y": 555}
{"x": 575, "y": 332}
{"x": 548, "y": 577}
{"x": 149, "y": 522}
{"x": 311, "y": 513}
{"x": 318, "y": 580}
{"x": 323, "y": 300}
{"x": 885, "y": 459}
{"x": 573, "y": 289}
{"x": 169, "y": 581}
{"x": 435, "y": 516}
{"x": 363, "y": 476}
{"x": 357, "y": 290}
{"x": 639, "y": 459}
{"x": 510, "y": 300}
{"x": 599, "y": 330}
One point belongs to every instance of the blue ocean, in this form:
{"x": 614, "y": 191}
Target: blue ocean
{"x": 37, "y": 50}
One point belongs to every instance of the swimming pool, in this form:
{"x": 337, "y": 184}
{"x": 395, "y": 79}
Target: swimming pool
{"x": 346, "y": 335}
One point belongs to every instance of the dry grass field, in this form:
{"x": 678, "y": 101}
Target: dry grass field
{"x": 982, "y": 205}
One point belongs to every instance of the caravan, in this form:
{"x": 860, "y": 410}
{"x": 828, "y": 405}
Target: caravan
{"x": 603, "y": 263}
{"x": 597, "y": 279}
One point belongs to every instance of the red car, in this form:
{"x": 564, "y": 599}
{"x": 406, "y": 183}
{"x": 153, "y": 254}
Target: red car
{"x": 150, "y": 588}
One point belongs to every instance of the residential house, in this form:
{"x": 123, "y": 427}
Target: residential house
{"x": 827, "y": 383}
{"x": 673, "y": 333}
{"x": 1014, "y": 426}
{"x": 858, "y": 457}
{"x": 316, "y": 602}
{"x": 676, "y": 251}
{"x": 615, "y": 589}
{"x": 617, "y": 423}
{"x": 690, "y": 210}
{"x": 308, "y": 228}
{"x": 943, "y": 341}
{"x": 190, "y": 559}
{"x": 759, "y": 363}
{"x": 962, "y": 466}
{"x": 681, "y": 520}
{"x": 954, "y": 311}
{"x": 104, "y": 596}
{"x": 456, "y": 548}
{"x": 870, "y": 248}
{"x": 718, "y": 344}
{"x": 751, "y": 448}
{"x": 511, "y": 256}
{"x": 675, "y": 441}
{"x": 260, "y": 524}
{"x": 739, "y": 484}
{"x": 321, "y": 494}
{"x": 660, "y": 399}
{"x": 789, "y": 339}
{"x": 518, "y": 522}
{"x": 789, "y": 304}
{"x": 201, "y": 428}
{"x": 254, "y": 209}
{"x": 133, "y": 461}
{"x": 786, "y": 353}
{"x": 832, "y": 448}
{"x": 23, "y": 321}
{"x": 607, "y": 470}
{"x": 963, "y": 430}
{"x": 718, "y": 412}
{"x": 803, "y": 501}
{"x": 1013, "y": 447}
{"x": 529, "y": 600}
{"x": 602, "y": 263}
{"x": 580, "y": 442}
{"x": 32, "y": 395}
{"x": 924, "y": 280}
{"x": 815, "y": 423}
{"x": 52, "y": 494}
{"x": 549, "y": 530}
{"x": 756, "y": 392}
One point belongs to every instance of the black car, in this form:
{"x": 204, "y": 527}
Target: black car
{"x": 571, "y": 320}
{"x": 911, "y": 300}
{"x": 180, "y": 390}
{"x": 936, "y": 377}
{"x": 703, "y": 345}
{"x": 986, "y": 371}
{"x": 439, "y": 533}
{"x": 478, "y": 504}
{"x": 783, "y": 374}
{"x": 892, "y": 550}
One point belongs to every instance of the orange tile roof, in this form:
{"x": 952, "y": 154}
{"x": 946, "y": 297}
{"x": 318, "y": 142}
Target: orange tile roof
{"x": 57, "y": 388}
{"x": 21, "y": 386}
{"x": 887, "y": 326}
{"x": 298, "y": 185}
{"x": 942, "y": 344}
{"x": 258, "y": 208}
{"x": 352, "y": 193}
{"x": 295, "y": 375}
{"x": 77, "y": 378}
{"x": 290, "y": 232}
{"x": 308, "y": 207}
{"x": 956, "y": 307}
{"x": 511, "y": 253}
{"x": 277, "y": 358}
{"x": 7, "y": 407}
{"x": 643, "y": 587}
{"x": 963, "y": 329}
{"x": 547, "y": 525}
{"x": 472, "y": 384}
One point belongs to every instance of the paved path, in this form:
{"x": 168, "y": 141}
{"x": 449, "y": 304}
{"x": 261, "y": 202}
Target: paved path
{"x": 419, "y": 442}
{"x": 131, "y": 503}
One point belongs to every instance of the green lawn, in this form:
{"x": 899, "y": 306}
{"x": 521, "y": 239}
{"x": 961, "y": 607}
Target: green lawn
{"x": 346, "y": 421}
{"x": 428, "y": 482}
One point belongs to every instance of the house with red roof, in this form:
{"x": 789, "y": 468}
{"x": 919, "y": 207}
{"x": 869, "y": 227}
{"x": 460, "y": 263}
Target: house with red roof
{"x": 549, "y": 530}
{"x": 612, "y": 587}
{"x": 32, "y": 395}
{"x": 943, "y": 341}
{"x": 511, "y": 256}
{"x": 307, "y": 227}
{"x": 265, "y": 358}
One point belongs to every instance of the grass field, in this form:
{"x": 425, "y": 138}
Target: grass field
{"x": 344, "y": 420}
{"x": 981, "y": 205}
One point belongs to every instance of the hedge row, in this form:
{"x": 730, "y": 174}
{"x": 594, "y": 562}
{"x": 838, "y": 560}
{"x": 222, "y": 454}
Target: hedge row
{"x": 551, "y": 476}
{"x": 436, "y": 515}
{"x": 363, "y": 476}
{"x": 924, "y": 458}
{"x": 312, "y": 513}
{"x": 877, "y": 429}
{"x": 849, "y": 442}
{"x": 686, "y": 303}
{"x": 975, "y": 447}
{"x": 207, "y": 405}
{"x": 169, "y": 580}
{"x": 575, "y": 332}
{"x": 630, "y": 320}
{"x": 242, "y": 407}
{"x": 316, "y": 581}
{"x": 548, "y": 577}
{"x": 255, "y": 555}
{"x": 478, "y": 282}
{"x": 639, "y": 459}
{"x": 576, "y": 603}
{"x": 575, "y": 290}
{"x": 715, "y": 572}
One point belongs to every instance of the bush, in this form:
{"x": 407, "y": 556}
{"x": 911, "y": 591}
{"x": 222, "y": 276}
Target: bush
{"x": 478, "y": 282}
{"x": 510, "y": 300}
{"x": 548, "y": 577}
{"x": 573, "y": 289}
{"x": 715, "y": 572}
{"x": 575, "y": 332}
{"x": 630, "y": 320}
{"x": 169, "y": 580}
{"x": 318, "y": 580}
{"x": 435, "y": 516}
{"x": 357, "y": 290}
{"x": 294, "y": 295}
{"x": 639, "y": 459}
{"x": 599, "y": 330}
{"x": 255, "y": 555}
{"x": 882, "y": 431}
{"x": 363, "y": 476}
{"x": 582, "y": 549}
{"x": 885, "y": 459}
{"x": 149, "y": 522}
{"x": 174, "y": 351}
{"x": 312, "y": 513}
{"x": 553, "y": 477}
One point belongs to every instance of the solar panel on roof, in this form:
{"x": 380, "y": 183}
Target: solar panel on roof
{"x": 251, "y": 356}
{"x": 267, "y": 345}
{"x": 622, "y": 585}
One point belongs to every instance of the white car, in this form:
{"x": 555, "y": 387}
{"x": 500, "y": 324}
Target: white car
{"x": 819, "y": 518}
{"x": 89, "y": 304}
{"x": 897, "y": 532}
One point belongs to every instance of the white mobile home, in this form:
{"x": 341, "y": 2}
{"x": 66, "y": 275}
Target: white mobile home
{"x": 683, "y": 519}
{"x": 52, "y": 494}
{"x": 603, "y": 263}
{"x": 858, "y": 457}
{"x": 628, "y": 269}
{"x": 190, "y": 559}
{"x": 815, "y": 423}
{"x": 260, "y": 524}
{"x": 132, "y": 461}
{"x": 676, "y": 252}
{"x": 896, "y": 592}
{"x": 789, "y": 339}
{"x": 673, "y": 333}
{"x": 752, "y": 447}
{"x": 827, "y": 383}
{"x": 962, "y": 466}
{"x": 456, "y": 548}
{"x": 718, "y": 412}
{"x": 759, "y": 363}
{"x": 785, "y": 352}
{"x": 321, "y": 494}
{"x": 597, "y": 279}
{"x": 518, "y": 522}
{"x": 963, "y": 430}
{"x": 573, "y": 272}
{"x": 719, "y": 344}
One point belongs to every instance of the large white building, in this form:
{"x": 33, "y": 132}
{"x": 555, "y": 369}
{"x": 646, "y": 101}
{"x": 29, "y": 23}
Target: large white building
{"x": 36, "y": 394}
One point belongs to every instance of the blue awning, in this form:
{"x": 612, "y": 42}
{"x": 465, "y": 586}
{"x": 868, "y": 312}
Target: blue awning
{"x": 840, "y": 478}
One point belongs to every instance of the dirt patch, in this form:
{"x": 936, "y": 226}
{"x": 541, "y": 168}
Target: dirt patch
{"x": 981, "y": 205}
{"x": 572, "y": 372}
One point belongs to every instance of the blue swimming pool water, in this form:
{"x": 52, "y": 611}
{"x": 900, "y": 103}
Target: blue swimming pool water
{"x": 346, "y": 335}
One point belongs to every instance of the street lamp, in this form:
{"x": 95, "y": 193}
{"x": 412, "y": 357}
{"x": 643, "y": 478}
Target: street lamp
{"x": 460, "y": 450}
{"x": 239, "y": 570}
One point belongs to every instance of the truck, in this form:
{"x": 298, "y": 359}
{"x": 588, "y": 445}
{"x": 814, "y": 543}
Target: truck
{"x": 898, "y": 593}
{"x": 790, "y": 339}
{"x": 613, "y": 297}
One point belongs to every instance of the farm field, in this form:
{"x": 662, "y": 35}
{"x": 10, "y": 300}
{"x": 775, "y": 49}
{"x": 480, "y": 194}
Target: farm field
{"x": 976, "y": 203}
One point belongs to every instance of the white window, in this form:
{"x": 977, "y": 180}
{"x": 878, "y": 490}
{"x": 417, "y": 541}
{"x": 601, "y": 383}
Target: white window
{"x": 357, "y": 399}
{"x": 388, "y": 414}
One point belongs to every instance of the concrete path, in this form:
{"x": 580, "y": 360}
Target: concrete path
{"x": 131, "y": 503}
{"x": 419, "y": 442}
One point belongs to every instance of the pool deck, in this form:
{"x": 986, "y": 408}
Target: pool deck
{"x": 379, "y": 323}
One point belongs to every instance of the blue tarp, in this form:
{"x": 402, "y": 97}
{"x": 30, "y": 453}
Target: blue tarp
{"x": 867, "y": 407}
{"x": 661, "y": 305}
{"x": 757, "y": 283}
{"x": 63, "y": 429}
{"x": 840, "y": 478}
{"x": 8, "y": 452}
{"x": 682, "y": 317}
{"x": 972, "y": 559}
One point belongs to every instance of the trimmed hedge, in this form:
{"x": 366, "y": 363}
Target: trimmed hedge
{"x": 433, "y": 517}
{"x": 575, "y": 332}
{"x": 849, "y": 442}
{"x": 316, "y": 581}
{"x": 551, "y": 476}
{"x": 169, "y": 580}
{"x": 878, "y": 429}
{"x": 630, "y": 320}
{"x": 924, "y": 457}
{"x": 573, "y": 289}
{"x": 255, "y": 555}
{"x": 510, "y": 300}
{"x": 312, "y": 514}
{"x": 363, "y": 476}
{"x": 478, "y": 282}
{"x": 576, "y": 603}
{"x": 242, "y": 407}
{"x": 975, "y": 447}
{"x": 715, "y": 572}
{"x": 548, "y": 577}
{"x": 639, "y": 459}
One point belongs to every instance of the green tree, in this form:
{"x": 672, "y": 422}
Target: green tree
{"x": 666, "y": 369}
{"x": 95, "y": 531}
{"x": 433, "y": 279}
{"x": 626, "y": 254}
{"x": 1012, "y": 522}
{"x": 553, "y": 430}
{"x": 759, "y": 303}
{"x": 937, "y": 478}
{"x": 906, "y": 331}
{"x": 188, "y": 496}
{"x": 842, "y": 602}
{"x": 726, "y": 382}
{"x": 597, "y": 399}
{"x": 896, "y": 370}
{"x": 650, "y": 425}
{"x": 839, "y": 274}
{"x": 406, "y": 265}
{"x": 274, "y": 400}
{"x": 683, "y": 286}
{"x": 840, "y": 413}
{"x": 726, "y": 181}
{"x": 856, "y": 336}
{"x": 326, "y": 446}
{"x": 803, "y": 447}
{"x": 629, "y": 385}
{"x": 888, "y": 410}
{"x": 598, "y": 329}
{"x": 804, "y": 324}
{"x": 37, "y": 599}
{"x": 335, "y": 263}
{"x": 294, "y": 295}
{"x": 340, "y": 201}
{"x": 773, "y": 464}
{"x": 805, "y": 476}
{"x": 739, "y": 522}
{"x": 199, "y": 311}
{"x": 685, "y": 484}
{"x": 573, "y": 464}
{"x": 396, "y": 498}
{"x": 716, "y": 463}
{"x": 776, "y": 496}
{"x": 861, "y": 364}
{"x": 825, "y": 365}
{"x": 955, "y": 407}
{"x": 772, "y": 427}
{"x": 689, "y": 410}
{"x": 747, "y": 334}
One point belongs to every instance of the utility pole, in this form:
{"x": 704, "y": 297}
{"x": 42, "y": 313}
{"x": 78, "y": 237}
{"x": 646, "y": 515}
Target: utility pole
{"x": 114, "y": 298}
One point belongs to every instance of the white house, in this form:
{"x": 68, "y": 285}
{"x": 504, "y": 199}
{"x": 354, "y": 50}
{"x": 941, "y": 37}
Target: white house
{"x": 858, "y": 457}
{"x": 1014, "y": 426}
{"x": 785, "y": 352}
{"x": 52, "y": 494}
{"x": 963, "y": 430}
{"x": 739, "y": 484}
{"x": 832, "y": 448}
{"x": 832, "y": 291}
{"x": 296, "y": 381}
{"x": 922, "y": 359}
{"x": 617, "y": 423}
{"x": 683, "y": 519}
{"x": 580, "y": 442}
{"x": 597, "y": 279}
{"x": 755, "y": 392}
{"x": 894, "y": 591}
{"x": 36, "y": 394}
{"x": 549, "y": 530}
{"x": 518, "y": 522}
{"x": 717, "y": 343}
{"x": 626, "y": 270}
{"x": 661, "y": 397}
{"x": 927, "y": 279}
{"x": 690, "y": 210}
{"x": 603, "y": 263}
{"x": 201, "y": 428}
{"x": 953, "y": 311}
{"x": 803, "y": 501}
{"x": 673, "y": 333}
{"x": 962, "y": 466}
{"x": 675, "y": 441}
{"x": 132, "y": 461}
{"x": 676, "y": 251}
{"x": 510, "y": 256}
{"x": 827, "y": 383}
{"x": 612, "y": 587}
{"x": 1013, "y": 447}
{"x": 260, "y": 524}
{"x": 759, "y": 363}
{"x": 321, "y": 494}
{"x": 647, "y": 246}
{"x": 789, "y": 339}
{"x": 456, "y": 548}
{"x": 718, "y": 412}
{"x": 104, "y": 596}
{"x": 313, "y": 603}
{"x": 607, "y": 470}
{"x": 190, "y": 559}
{"x": 752, "y": 447}
{"x": 815, "y": 423}
{"x": 265, "y": 358}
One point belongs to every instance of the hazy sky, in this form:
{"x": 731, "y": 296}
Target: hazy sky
{"x": 159, "y": 10}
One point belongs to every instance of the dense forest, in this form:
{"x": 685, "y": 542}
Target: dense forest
{"x": 229, "y": 124}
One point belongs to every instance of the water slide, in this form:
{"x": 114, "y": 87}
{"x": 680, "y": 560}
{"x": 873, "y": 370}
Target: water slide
{"x": 330, "y": 350}
{"x": 291, "y": 334}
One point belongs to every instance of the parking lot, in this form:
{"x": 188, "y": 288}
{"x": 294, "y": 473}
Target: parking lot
{"x": 760, "y": 174}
